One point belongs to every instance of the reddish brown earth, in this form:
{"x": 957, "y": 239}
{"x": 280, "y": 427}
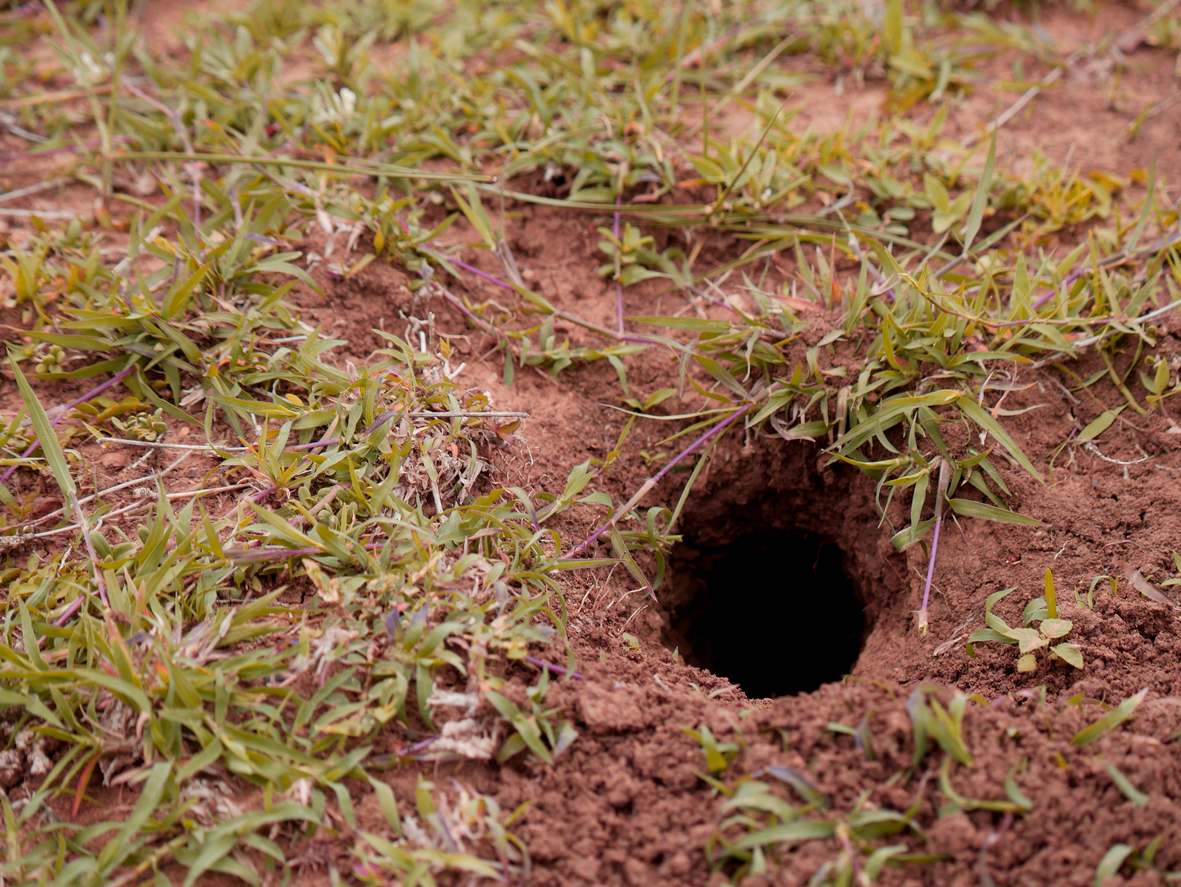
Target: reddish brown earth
{"x": 627, "y": 803}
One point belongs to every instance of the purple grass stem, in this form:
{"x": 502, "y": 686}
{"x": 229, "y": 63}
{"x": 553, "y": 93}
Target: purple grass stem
{"x": 472, "y": 269}
{"x": 655, "y": 479}
{"x": 70, "y": 611}
{"x": 930, "y": 572}
{"x": 556, "y": 669}
{"x": 419, "y": 746}
{"x": 618, "y": 285}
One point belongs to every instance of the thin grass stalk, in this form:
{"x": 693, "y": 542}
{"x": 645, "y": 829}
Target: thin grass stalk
{"x": 940, "y": 498}
{"x": 618, "y": 284}
{"x": 655, "y": 479}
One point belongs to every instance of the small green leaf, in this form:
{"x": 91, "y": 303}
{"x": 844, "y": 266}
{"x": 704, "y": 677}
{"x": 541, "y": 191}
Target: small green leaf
{"x": 1100, "y": 424}
{"x": 722, "y": 375}
{"x": 1160, "y": 379}
{"x": 1028, "y": 639}
{"x": 988, "y": 635}
{"x": 178, "y": 298}
{"x": 937, "y": 194}
{"x": 878, "y": 859}
{"x": 1111, "y": 862}
{"x": 525, "y": 726}
{"x": 1016, "y": 796}
{"x": 1069, "y": 653}
{"x": 1055, "y": 628}
{"x": 1112, "y": 583}
{"x": 714, "y": 758}
{"x": 1109, "y": 721}
{"x": 908, "y": 536}
{"x": 1035, "y": 611}
{"x": 946, "y": 727}
{"x": 996, "y": 623}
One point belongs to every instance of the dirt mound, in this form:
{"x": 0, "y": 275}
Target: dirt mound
{"x": 968, "y": 768}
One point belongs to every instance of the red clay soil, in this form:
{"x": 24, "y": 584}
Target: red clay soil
{"x": 628, "y": 807}
{"x": 629, "y": 803}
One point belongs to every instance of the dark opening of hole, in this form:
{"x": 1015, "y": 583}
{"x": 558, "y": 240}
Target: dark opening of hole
{"x": 773, "y": 611}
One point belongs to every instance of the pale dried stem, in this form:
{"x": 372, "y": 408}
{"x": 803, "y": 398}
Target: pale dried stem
{"x": 183, "y": 135}
{"x": 31, "y": 189}
{"x": 114, "y": 489}
{"x": 99, "y": 582}
{"x": 1028, "y": 96}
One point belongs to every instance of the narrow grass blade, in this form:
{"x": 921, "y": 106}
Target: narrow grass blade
{"x": 984, "y": 419}
{"x": 1111, "y": 862}
{"x": 1149, "y": 199}
{"x": 1110, "y": 721}
{"x": 801, "y": 830}
{"x": 980, "y": 201}
{"x": 968, "y": 508}
{"x": 1130, "y": 791}
{"x": 46, "y": 435}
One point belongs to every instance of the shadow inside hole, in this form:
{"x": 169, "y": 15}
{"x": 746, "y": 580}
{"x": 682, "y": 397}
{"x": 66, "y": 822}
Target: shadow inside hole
{"x": 773, "y": 611}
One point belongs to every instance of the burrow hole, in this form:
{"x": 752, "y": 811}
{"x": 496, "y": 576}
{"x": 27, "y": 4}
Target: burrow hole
{"x": 772, "y": 610}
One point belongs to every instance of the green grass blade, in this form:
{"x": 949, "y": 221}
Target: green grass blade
{"x": 968, "y": 508}
{"x": 984, "y": 419}
{"x": 1111, "y": 862}
{"x": 1149, "y": 199}
{"x": 1110, "y": 721}
{"x": 980, "y": 201}
{"x": 47, "y": 437}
